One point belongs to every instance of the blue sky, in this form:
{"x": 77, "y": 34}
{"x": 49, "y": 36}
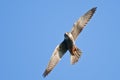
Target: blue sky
{"x": 31, "y": 29}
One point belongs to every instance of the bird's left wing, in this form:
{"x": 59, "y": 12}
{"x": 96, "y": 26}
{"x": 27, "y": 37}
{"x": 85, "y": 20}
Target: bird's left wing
{"x": 55, "y": 58}
{"x": 80, "y": 24}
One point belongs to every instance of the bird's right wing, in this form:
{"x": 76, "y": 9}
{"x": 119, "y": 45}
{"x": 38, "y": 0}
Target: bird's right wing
{"x": 55, "y": 58}
{"x": 82, "y": 21}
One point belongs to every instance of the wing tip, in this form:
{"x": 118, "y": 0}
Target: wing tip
{"x": 45, "y": 73}
{"x": 91, "y": 11}
{"x": 94, "y": 9}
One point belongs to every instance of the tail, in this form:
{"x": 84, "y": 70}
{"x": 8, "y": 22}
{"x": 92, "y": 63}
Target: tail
{"x": 75, "y": 55}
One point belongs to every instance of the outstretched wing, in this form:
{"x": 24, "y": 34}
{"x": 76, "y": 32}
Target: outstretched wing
{"x": 55, "y": 58}
{"x": 79, "y": 25}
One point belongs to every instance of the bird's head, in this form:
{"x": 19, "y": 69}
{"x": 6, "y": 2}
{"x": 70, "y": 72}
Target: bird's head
{"x": 68, "y": 35}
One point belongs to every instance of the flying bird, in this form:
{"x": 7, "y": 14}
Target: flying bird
{"x": 69, "y": 43}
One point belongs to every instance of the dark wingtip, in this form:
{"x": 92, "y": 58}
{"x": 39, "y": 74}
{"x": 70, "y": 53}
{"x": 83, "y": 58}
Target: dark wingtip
{"x": 44, "y": 74}
{"x": 94, "y": 9}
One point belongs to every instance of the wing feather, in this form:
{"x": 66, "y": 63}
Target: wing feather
{"x": 82, "y": 21}
{"x": 55, "y": 58}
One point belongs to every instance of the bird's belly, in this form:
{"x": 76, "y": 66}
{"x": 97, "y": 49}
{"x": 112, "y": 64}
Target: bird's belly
{"x": 70, "y": 44}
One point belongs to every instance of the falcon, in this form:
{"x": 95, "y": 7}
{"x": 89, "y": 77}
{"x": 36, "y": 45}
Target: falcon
{"x": 69, "y": 43}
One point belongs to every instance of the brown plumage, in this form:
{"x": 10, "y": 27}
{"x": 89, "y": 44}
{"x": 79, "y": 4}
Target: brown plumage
{"x": 69, "y": 43}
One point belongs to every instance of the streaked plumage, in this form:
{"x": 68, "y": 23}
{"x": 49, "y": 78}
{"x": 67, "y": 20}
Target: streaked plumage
{"x": 69, "y": 43}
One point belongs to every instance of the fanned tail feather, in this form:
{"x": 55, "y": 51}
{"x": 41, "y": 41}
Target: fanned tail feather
{"x": 75, "y": 56}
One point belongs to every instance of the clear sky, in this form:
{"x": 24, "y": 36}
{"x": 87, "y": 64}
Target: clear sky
{"x": 31, "y": 29}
